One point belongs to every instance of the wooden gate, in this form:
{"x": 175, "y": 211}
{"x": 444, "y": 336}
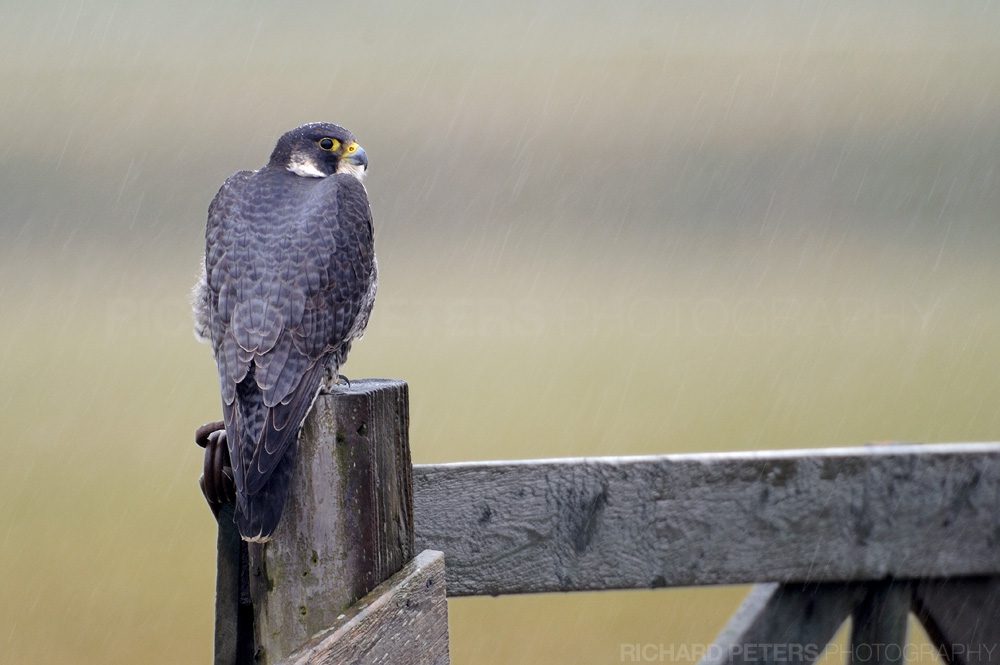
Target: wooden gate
{"x": 356, "y": 571}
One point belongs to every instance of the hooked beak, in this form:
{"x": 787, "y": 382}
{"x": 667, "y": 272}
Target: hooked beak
{"x": 359, "y": 157}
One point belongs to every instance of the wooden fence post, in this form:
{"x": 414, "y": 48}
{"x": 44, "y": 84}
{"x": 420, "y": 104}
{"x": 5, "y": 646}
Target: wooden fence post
{"x": 348, "y": 521}
{"x": 784, "y": 624}
{"x": 878, "y": 624}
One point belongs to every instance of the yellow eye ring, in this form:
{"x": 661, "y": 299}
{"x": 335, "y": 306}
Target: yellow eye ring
{"x": 329, "y": 144}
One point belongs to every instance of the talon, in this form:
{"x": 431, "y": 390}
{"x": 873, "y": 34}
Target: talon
{"x": 216, "y": 480}
{"x": 343, "y": 379}
{"x": 202, "y": 433}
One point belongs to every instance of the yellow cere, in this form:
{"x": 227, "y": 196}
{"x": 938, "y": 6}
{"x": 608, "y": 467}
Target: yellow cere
{"x": 352, "y": 148}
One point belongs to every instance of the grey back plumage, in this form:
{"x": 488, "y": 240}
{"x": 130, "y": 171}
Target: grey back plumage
{"x": 290, "y": 266}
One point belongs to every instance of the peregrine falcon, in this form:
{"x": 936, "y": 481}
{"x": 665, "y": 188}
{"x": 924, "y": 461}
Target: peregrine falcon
{"x": 287, "y": 283}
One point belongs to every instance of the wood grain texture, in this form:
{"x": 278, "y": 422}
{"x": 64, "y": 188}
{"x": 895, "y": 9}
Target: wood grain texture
{"x": 348, "y": 520}
{"x": 623, "y": 523}
{"x": 404, "y": 621}
{"x": 784, "y": 623}
{"x": 878, "y": 624}
{"x": 962, "y": 617}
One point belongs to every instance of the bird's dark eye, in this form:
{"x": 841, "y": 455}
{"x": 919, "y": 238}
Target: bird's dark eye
{"x": 328, "y": 144}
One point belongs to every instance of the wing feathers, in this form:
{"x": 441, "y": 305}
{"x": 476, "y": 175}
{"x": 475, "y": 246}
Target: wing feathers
{"x": 281, "y": 429}
{"x": 290, "y": 265}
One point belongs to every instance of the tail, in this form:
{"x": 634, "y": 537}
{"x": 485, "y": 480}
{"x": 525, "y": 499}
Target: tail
{"x": 263, "y": 509}
{"x": 257, "y": 513}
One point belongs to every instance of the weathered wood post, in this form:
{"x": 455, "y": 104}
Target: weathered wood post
{"x": 878, "y": 624}
{"x": 348, "y": 520}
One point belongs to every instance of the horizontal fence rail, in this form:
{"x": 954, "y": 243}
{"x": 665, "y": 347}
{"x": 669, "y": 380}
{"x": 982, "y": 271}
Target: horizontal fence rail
{"x": 900, "y": 511}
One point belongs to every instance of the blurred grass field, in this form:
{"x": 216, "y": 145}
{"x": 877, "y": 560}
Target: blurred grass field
{"x": 603, "y": 229}
{"x": 107, "y": 544}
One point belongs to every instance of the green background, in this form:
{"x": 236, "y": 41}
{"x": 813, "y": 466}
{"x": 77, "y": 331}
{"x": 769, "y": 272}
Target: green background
{"x": 604, "y": 229}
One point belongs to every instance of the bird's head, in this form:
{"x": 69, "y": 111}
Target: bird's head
{"x": 318, "y": 150}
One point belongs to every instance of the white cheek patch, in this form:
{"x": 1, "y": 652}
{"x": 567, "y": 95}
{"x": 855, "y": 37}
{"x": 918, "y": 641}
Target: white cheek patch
{"x": 355, "y": 170}
{"x": 304, "y": 167}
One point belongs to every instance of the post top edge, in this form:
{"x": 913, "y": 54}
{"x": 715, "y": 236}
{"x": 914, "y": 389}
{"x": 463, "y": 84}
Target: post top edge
{"x": 367, "y": 385}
